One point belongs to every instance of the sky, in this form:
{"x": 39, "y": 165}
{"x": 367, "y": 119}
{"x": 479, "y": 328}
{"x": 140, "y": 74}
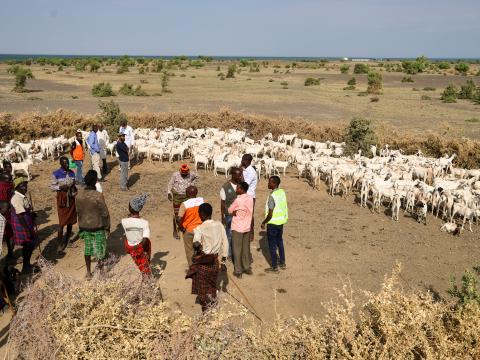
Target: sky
{"x": 343, "y": 28}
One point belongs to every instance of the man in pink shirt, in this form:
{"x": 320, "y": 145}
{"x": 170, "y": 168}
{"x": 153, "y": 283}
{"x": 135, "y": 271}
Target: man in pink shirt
{"x": 242, "y": 211}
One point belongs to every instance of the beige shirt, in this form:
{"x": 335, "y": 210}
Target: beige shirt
{"x": 211, "y": 234}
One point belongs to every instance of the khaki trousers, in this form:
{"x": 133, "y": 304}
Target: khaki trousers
{"x": 188, "y": 243}
{"x": 96, "y": 164}
{"x": 241, "y": 251}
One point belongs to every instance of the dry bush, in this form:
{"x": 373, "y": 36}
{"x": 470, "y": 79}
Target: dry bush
{"x": 31, "y": 125}
{"x": 117, "y": 317}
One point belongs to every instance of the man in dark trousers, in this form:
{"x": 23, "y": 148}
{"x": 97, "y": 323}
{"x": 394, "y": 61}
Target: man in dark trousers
{"x": 123, "y": 161}
{"x": 227, "y": 197}
{"x": 276, "y": 215}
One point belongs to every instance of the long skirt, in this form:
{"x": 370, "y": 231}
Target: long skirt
{"x": 67, "y": 211}
{"x": 141, "y": 255}
{"x": 204, "y": 273}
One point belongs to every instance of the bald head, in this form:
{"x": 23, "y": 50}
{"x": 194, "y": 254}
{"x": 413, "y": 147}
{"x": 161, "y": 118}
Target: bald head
{"x": 191, "y": 192}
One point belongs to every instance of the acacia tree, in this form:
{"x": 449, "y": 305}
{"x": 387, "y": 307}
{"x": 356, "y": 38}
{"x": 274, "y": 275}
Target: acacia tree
{"x": 374, "y": 82}
{"x": 21, "y": 75}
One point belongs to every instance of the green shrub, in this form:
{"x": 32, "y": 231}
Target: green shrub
{"x": 349, "y": 87}
{"x": 60, "y": 68}
{"x": 426, "y": 97}
{"x": 478, "y": 73}
{"x": 374, "y": 82}
{"x": 141, "y": 70}
{"x": 94, "y": 66}
{"x": 221, "y": 74}
{"x": 123, "y": 68}
{"x": 352, "y": 82}
{"x": 429, "y": 88}
{"x": 102, "y": 90}
{"x": 218, "y": 68}
{"x": 231, "y": 71}
{"x": 450, "y": 94}
{"x": 468, "y": 291}
{"x": 158, "y": 66}
{"x": 467, "y": 91}
{"x": 361, "y": 69}
{"x": 416, "y": 66}
{"x": 360, "y": 135}
{"x": 443, "y": 65}
{"x": 164, "y": 82}
{"x": 473, "y": 120}
{"x": 407, "y": 79}
{"x": 462, "y": 67}
{"x": 21, "y": 75}
{"x": 311, "y": 81}
{"x": 415, "y": 89}
{"x": 344, "y": 68}
{"x": 111, "y": 116}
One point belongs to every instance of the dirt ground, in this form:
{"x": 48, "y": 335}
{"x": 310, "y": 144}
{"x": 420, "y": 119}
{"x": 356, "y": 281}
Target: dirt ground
{"x": 329, "y": 242}
{"x": 201, "y": 90}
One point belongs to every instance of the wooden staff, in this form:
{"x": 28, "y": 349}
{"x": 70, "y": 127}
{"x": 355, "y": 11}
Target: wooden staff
{"x": 254, "y": 312}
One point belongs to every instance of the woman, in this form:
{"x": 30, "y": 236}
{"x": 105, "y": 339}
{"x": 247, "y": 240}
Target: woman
{"x": 137, "y": 232}
{"x": 63, "y": 182}
{"x": 23, "y": 222}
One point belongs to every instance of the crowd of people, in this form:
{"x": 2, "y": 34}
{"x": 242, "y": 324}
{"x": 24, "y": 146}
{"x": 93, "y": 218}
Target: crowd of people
{"x": 209, "y": 244}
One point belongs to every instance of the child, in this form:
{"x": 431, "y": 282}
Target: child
{"x": 137, "y": 232}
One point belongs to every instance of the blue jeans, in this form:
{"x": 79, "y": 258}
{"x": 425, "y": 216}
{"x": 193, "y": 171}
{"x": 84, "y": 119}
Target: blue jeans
{"x": 79, "y": 174}
{"x": 275, "y": 240}
{"x": 228, "y": 229}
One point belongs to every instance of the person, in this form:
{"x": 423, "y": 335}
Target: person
{"x": 4, "y": 212}
{"x": 63, "y": 183}
{"x": 123, "y": 159}
{"x": 6, "y": 193}
{"x": 250, "y": 177}
{"x": 78, "y": 155}
{"x": 137, "y": 232}
{"x": 227, "y": 196}
{"x": 176, "y": 191}
{"x": 276, "y": 215}
{"x": 129, "y": 135}
{"x": 94, "y": 146}
{"x": 23, "y": 222}
{"x": 7, "y": 168}
{"x": 93, "y": 221}
{"x": 103, "y": 140}
{"x": 188, "y": 219}
{"x": 242, "y": 211}
{"x": 210, "y": 242}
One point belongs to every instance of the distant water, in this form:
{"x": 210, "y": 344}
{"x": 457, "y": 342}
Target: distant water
{"x": 4, "y": 57}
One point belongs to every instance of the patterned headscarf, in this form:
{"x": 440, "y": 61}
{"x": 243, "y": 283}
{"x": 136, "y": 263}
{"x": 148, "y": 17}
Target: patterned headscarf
{"x": 19, "y": 180}
{"x": 138, "y": 202}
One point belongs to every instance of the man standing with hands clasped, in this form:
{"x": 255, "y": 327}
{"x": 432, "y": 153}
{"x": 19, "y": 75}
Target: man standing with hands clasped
{"x": 123, "y": 159}
{"x": 276, "y": 215}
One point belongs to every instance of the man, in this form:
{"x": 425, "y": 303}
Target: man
{"x": 63, "y": 183}
{"x": 250, "y": 177}
{"x": 129, "y": 135}
{"x": 188, "y": 219}
{"x": 4, "y": 212}
{"x": 23, "y": 222}
{"x": 176, "y": 191}
{"x": 227, "y": 196}
{"x": 276, "y": 211}
{"x": 78, "y": 155}
{"x": 123, "y": 159}
{"x": 7, "y": 168}
{"x": 6, "y": 193}
{"x": 94, "y": 147}
{"x": 93, "y": 221}
{"x": 242, "y": 211}
{"x": 210, "y": 242}
{"x": 137, "y": 232}
{"x": 103, "y": 140}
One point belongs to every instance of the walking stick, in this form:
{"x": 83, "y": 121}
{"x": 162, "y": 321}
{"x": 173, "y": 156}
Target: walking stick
{"x": 254, "y": 312}
{"x": 36, "y": 226}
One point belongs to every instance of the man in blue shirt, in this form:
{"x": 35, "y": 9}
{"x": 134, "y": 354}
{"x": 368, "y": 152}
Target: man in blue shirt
{"x": 94, "y": 147}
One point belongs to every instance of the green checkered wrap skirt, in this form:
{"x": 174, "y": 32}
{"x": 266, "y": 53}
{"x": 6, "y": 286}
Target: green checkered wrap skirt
{"x": 95, "y": 243}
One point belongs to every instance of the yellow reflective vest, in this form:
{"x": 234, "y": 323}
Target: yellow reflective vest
{"x": 280, "y": 211}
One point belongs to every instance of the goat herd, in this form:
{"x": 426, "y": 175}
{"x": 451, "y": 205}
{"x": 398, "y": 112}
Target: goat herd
{"x": 418, "y": 184}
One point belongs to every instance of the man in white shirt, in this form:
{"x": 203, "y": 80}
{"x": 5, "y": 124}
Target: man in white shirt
{"x": 137, "y": 233}
{"x": 210, "y": 243}
{"x": 250, "y": 177}
{"x": 103, "y": 140}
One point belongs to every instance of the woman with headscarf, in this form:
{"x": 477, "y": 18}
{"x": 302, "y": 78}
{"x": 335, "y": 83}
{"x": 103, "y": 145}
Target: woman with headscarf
{"x": 176, "y": 192}
{"x": 23, "y": 222}
{"x": 63, "y": 183}
{"x": 137, "y": 232}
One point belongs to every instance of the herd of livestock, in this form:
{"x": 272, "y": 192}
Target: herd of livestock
{"x": 417, "y": 184}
